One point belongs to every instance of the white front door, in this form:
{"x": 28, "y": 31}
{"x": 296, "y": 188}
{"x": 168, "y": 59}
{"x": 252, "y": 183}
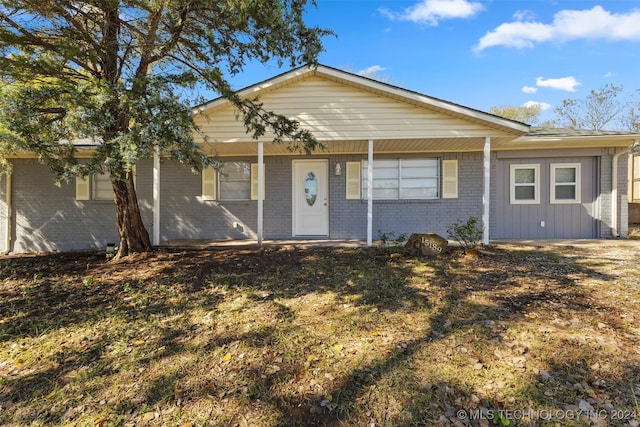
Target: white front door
{"x": 310, "y": 198}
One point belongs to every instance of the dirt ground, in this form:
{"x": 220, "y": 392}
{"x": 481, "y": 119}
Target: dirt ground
{"x": 285, "y": 336}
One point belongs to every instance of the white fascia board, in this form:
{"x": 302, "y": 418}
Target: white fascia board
{"x": 527, "y": 141}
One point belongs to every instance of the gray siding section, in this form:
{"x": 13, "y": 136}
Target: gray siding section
{"x": 48, "y": 218}
{"x": 347, "y": 218}
{"x": 186, "y": 216}
{"x": 433, "y": 216}
{"x": 561, "y": 220}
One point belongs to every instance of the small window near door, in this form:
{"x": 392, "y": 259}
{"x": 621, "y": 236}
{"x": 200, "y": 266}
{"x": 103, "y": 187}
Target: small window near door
{"x": 525, "y": 184}
{"x": 565, "y": 183}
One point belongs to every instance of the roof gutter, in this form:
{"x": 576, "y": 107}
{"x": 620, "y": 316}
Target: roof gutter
{"x": 615, "y": 232}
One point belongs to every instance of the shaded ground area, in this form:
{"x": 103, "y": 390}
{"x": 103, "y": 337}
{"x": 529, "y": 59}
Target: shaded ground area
{"x": 290, "y": 336}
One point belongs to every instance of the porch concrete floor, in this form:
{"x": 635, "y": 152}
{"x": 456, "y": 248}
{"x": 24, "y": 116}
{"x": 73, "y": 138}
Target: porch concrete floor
{"x": 308, "y": 243}
{"x": 252, "y": 243}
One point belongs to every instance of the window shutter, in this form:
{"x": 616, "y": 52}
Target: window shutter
{"x": 254, "y": 181}
{"x": 209, "y": 184}
{"x": 449, "y": 179}
{"x": 82, "y": 188}
{"x": 353, "y": 180}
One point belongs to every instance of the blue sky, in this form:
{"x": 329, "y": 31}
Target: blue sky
{"x": 482, "y": 53}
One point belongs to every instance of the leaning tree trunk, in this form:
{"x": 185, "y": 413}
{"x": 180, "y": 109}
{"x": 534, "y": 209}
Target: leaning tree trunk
{"x": 133, "y": 234}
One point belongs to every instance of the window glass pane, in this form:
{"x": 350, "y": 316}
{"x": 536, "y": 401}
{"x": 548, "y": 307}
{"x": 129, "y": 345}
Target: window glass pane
{"x": 419, "y": 168}
{"x": 636, "y": 190}
{"x": 525, "y": 192}
{"x": 385, "y": 183}
{"x": 565, "y": 192}
{"x": 419, "y": 193}
{"x": 420, "y": 183}
{"x": 385, "y": 172}
{"x": 385, "y": 193}
{"x": 419, "y": 163}
{"x": 235, "y": 181}
{"x": 236, "y": 170}
{"x": 102, "y": 188}
{"x": 565, "y": 175}
{"x": 525, "y": 176}
{"x": 310, "y": 188}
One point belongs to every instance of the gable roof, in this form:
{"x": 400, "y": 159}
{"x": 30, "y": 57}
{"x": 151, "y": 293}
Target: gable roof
{"x": 345, "y": 110}
{"x": 368, "y": 84}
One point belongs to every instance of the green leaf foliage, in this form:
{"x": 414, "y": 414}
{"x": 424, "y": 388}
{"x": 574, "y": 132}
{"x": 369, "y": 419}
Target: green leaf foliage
{"x": 112, "y": 81}
{"x": 522, "y": 113}
{"x": 117, "y": 75}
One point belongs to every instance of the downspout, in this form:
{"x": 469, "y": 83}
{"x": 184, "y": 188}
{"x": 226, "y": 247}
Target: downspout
{"x": 614, "y": 191}
{"x": 7, "y": 247}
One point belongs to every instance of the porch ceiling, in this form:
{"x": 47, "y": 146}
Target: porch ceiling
{"x": 426, "y": 145}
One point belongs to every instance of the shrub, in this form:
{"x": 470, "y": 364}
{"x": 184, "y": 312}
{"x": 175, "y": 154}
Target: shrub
{"x": 390, "y": 239}
{"x": 467, "y": 234}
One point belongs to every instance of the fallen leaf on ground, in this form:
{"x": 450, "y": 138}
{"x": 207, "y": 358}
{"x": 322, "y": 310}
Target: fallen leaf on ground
{"x": 148, "y": 417}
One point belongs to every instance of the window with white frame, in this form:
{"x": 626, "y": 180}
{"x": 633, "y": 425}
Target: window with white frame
{"x": 395, "y": 179}
{"x": 565, "y": 183}
{"x": 524, "y": 183}
{"x": 235, "y": 181}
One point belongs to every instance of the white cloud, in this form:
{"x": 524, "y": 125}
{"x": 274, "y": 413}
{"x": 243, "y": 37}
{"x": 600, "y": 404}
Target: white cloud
{"x": 565, "y": 83}
{"x": 542, "y": 105}
{"x": 529, "y": 89}
{"x": 591, "y": 24}
{"x": 431, "y": 12}
{"x": 524, "y": 15}
{"x": 609, "y": 74}
{"x": 371, "y": 70}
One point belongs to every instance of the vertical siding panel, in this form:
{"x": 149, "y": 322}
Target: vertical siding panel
{"x": 561, "y": 220}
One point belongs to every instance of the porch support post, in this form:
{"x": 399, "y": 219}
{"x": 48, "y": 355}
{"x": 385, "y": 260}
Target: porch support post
{"x": 486, "y": 191}
{"x": 260, "y": 191}
{"x": 370, "y": 195}
{"x": 9, "y": 211}
{"x": 156, "y": 196}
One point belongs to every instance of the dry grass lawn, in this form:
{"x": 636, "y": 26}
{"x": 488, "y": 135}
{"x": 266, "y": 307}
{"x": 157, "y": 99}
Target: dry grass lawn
{"x": 322, "y": 337}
